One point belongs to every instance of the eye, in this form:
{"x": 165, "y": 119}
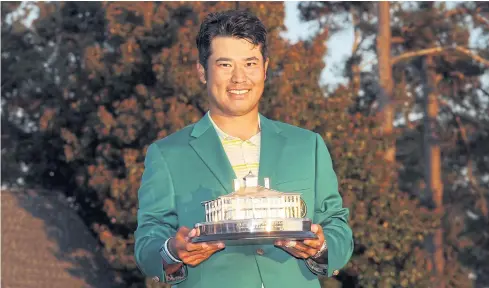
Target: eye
{"x": 250, "y": 64}
{"x": 226, "y": 65}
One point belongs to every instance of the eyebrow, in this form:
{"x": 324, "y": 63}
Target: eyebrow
{"x": 229, "y": 59}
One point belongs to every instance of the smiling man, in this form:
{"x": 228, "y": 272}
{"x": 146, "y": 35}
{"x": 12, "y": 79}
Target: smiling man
{"x": 199, "y": 163}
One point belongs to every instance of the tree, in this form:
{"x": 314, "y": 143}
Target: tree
{"x": 419, "y": 31}
{"x": 385, "y": 74}
{"x": 121, "y": 76}
{"x": 442, "y": 39}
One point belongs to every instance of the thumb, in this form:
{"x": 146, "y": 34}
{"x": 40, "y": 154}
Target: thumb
{"x": 192, "y": 233}
{"x": 183, "y": 231}
{"x": 314, "y": 228}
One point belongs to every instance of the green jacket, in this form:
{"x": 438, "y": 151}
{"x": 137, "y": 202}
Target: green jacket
{"x": 190, "y": 166}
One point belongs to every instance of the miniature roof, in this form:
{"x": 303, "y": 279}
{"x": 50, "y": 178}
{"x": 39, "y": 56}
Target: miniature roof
{"x": 251, "y": 189}
{"x": 256, "y": 192}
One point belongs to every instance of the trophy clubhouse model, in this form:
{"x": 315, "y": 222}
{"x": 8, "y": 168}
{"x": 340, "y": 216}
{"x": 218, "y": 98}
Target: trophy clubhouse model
{"x": 254, "y": 214}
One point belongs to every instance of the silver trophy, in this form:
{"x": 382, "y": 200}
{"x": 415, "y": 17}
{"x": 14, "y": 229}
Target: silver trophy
{"x": 254, "y": 214}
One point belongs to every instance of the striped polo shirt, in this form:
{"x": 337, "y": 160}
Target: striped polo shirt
{"x": 244, "y": 155}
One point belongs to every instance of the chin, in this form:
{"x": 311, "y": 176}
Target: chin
{"x": 238, "y": 113}
{"x": 235, "y": 111}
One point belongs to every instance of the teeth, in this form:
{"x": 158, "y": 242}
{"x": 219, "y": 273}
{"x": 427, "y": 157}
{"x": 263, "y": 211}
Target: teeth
{"x": 238, "y": 91}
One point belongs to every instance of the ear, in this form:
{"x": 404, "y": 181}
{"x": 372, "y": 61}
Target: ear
{"x": 266, "y": 68}
{"x": 201, "y": 72}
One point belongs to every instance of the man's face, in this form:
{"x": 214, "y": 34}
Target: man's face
{"x": 235, "y": 76}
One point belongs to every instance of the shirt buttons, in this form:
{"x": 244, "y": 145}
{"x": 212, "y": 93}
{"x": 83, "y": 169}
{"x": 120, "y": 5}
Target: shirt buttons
{"x": 336, "y": 272}
{"x": 260, "y": 251}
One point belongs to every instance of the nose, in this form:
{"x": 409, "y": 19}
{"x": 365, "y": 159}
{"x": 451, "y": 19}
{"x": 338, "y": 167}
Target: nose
{"x": 239, "y": 75}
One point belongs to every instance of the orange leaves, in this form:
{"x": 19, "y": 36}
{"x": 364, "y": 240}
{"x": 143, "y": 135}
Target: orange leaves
{"x": 99, "y": 176}
{"x": 72, "y": 149}
{"x": 110, "y": 209}
{"x": 93, "y": 58}
{"x": 125, "y": 17}
{"x": 131, "y": 53}
{"x": 130, "y": 156}
{"x": 107, "y": 238}
{"x": 106, "y": 119}
{"x": 160, "y": 119}
{"x": 141, "y": 90}
{"x": 125, "y": 125}
{"x": 161, "y": 15}
{"x": 46, "y": 118}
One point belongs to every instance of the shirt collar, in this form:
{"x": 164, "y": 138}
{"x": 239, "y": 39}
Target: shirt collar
{"x": 255, "y": 139}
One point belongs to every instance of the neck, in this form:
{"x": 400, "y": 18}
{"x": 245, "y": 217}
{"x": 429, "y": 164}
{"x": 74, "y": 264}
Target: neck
{"x": 243, "y": 127}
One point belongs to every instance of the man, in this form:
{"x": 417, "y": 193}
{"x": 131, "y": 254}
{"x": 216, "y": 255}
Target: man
{"x": 199, "y": 163}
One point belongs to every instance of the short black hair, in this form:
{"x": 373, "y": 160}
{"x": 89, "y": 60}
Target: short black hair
{"x": 233, "y": 23}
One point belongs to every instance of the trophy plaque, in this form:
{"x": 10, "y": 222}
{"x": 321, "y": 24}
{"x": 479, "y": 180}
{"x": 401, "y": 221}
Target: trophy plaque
{"x": 254, "y": 214}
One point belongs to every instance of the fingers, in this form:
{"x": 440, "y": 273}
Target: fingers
{"x": 306, "y": 249}
{"x": 296, "y": 253}
{"x": 297, "y": 248}
{"x": 194, "y": 253}
{"x": 182, "y": 236}
{"x": 315, "y": 228}
{"x": 196, "y": 256}
{"x": 196, "y": 259}
{"x": 190, "y": 247}
{"x": 315, "y": 244}
{"x": 318, "y": 230}
{"x": 183, "y": 231}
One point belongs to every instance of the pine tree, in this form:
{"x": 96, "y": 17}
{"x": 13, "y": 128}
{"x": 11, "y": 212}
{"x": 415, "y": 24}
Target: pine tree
{"x": 413, "y": 27}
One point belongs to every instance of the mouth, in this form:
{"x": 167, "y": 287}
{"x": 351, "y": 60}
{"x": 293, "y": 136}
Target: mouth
{"x": 238, "y": 91}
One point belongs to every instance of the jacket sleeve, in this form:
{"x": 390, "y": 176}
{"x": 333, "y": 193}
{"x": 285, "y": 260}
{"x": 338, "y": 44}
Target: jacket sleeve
{"x": 157, "y": 218}
{"x": 330, "y": 214}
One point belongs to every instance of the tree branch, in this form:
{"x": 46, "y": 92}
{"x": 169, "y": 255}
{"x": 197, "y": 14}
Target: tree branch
{"x": 484, "y": 91}
{"x": 397, "y": 40}
{"x": 439, "y": 50}
{"x": 463, "y": 10}
{"x": 472, "y": 55}
{"x": 355, "y": 21}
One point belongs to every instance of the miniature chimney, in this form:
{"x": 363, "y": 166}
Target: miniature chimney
{"x": 237, "y": 185}
{"x": 250, "y": 180}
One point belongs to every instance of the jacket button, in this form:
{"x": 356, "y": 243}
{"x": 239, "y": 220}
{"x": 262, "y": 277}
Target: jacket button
{"x": 260, "y": 251}
{"x": 336, "y": 272}
{"x": 156, "y": 279}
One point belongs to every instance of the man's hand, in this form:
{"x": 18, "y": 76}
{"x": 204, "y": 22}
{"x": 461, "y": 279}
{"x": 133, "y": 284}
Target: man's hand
{"x": 190, "y": 253}
{"x": 306, "y": 248}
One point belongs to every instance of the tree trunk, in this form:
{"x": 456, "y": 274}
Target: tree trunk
{"x": 433, "y": 161}
{"x": 384, "y": 39}
{"x": 355, "y": 65}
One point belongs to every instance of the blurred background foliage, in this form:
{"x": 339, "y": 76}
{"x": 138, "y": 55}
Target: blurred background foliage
{"x": 89, "y": 85}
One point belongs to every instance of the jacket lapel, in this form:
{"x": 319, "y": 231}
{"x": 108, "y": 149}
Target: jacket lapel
{"x": 271, "y": 149}
{"x": 207, "y": 145}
